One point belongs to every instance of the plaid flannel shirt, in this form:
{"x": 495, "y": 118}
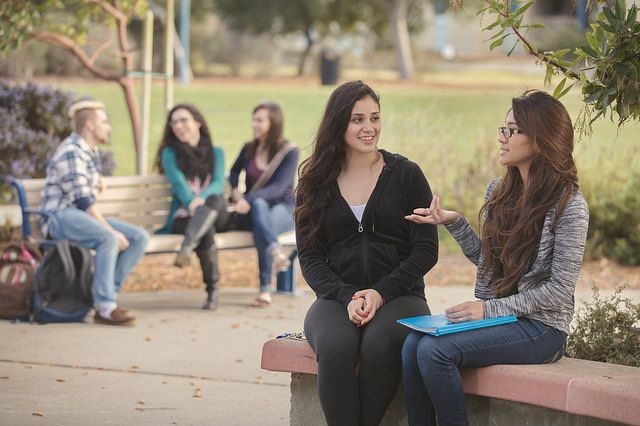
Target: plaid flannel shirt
{"x": 73, "y": 176}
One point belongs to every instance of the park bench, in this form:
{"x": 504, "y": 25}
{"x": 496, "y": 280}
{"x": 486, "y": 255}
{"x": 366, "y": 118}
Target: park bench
{"x": 145, "y": 201}
{"x": 568, "y": 392}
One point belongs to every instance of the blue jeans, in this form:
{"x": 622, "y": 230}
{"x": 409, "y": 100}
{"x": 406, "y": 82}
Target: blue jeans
{"x": 432, "y": 382}
{"x": 111, "y": 265}
{"x": 266, "y": 222}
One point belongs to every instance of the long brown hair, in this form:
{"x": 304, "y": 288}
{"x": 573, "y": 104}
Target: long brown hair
{"x": 170, "y": 140}
{"x": 515, "y": 214}
{"x": 274, "y": 140}
{"x": 321, "y": 169}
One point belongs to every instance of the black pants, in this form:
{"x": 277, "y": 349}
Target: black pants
{"x": 206, "y": 249}
{"x": 359, "y": 369}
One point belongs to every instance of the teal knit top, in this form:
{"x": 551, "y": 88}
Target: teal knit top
{"x": 182, "y": 195}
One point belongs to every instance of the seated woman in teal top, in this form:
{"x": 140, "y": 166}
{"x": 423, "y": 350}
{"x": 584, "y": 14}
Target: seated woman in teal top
{"x": 195, "y": 169}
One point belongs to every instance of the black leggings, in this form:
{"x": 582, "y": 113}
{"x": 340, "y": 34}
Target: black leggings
{"x": 205, "y": 249}
{"x": 359, "y": 369}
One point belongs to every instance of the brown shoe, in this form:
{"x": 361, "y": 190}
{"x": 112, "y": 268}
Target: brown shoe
{"x": 117, "y": 317}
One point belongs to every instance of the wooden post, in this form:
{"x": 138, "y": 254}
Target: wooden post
{"x": 168, "y": 56}
{"x": 146, "y": 92}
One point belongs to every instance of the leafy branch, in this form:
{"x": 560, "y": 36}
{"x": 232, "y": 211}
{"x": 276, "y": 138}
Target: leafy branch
{"x": 607, "y": 67}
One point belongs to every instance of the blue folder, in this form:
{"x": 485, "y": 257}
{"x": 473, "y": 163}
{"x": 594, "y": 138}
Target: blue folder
{"x": 438, "y": 325}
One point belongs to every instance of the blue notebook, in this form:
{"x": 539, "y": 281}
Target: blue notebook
{"x": 437, "y": 325}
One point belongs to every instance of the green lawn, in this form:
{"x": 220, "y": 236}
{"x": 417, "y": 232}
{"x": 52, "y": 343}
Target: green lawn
{"x": 447, "y": 124}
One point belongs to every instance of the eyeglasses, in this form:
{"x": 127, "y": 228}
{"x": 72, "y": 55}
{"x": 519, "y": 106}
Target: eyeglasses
{"x": 507, "y": 132}
{"x": 183, "y": 120}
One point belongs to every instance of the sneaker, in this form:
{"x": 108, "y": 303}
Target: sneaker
{"x": 117, "y": 317}
{"x": 281, "y": 261}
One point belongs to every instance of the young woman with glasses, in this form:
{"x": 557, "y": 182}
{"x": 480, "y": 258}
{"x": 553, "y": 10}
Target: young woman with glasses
{"x": 195, "y": 170}
{"x": 529, "y": 256}
{"x": 363, "y": 260}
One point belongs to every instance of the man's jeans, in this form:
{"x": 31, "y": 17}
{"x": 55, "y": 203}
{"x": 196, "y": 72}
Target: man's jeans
{"x": 432, "y": 383}
{"x": 266, "y": 222}
{"x": 111, "y": 265}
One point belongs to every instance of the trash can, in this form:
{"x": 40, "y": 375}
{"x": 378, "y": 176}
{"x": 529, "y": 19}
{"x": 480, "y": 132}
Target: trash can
{"x": 329, "y": 67}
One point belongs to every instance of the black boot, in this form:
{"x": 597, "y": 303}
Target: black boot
{"x": 210, "y": 275}
{"x": 198, "y": 225}
{"x": 212, "y": 298}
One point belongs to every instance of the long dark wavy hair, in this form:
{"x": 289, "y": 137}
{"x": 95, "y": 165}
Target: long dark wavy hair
{"x": 192, "y": 161}
{"x": 317, "y": 173}
{"x": 274, "y": 140}
{"x": 514, "y": 213}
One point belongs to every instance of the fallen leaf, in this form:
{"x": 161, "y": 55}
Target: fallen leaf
{"x": 135, "y": 367}
{"x": 60, "y": 380}
{"x": 238, "y": 360}
{"x": 148, "y": 339}
{"x": 236, "y": 325}
{"x": 141, "y": 402}
{"x": 37, "y": 413}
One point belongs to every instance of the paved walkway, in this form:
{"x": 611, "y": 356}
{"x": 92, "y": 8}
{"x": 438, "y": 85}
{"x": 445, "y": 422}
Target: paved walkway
{"x": 178, "y": 366}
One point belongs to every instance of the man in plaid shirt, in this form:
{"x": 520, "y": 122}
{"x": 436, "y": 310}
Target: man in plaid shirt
{"x": 73, "y": 182}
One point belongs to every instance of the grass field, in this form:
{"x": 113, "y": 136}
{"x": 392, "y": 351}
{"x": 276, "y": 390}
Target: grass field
{"x": 446, "y": 123}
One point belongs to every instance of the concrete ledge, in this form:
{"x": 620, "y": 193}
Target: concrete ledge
{"x": 582, "y": 388}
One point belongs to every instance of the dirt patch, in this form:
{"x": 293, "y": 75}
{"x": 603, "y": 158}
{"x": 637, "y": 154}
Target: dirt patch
{"x": 239, "y": 268}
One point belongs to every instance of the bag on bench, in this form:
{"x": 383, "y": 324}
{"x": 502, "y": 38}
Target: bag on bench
{"x": 18, "y": 261}
{"x": 62, "y": 284}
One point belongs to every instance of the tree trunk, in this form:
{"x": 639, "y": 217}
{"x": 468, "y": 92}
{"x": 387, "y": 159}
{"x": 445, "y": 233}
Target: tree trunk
{"x": 401, "y": 42}
{"x": 304, "y": 56}
{"x": 128, "y": 87}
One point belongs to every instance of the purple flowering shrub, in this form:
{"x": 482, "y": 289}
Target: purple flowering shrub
{"x": 33, "y": 122}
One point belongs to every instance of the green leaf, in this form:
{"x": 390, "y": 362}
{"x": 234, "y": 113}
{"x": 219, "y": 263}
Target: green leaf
{"x": 631, "y": 17}
{"x": 613, "y": 19}
{"x": 536, "y": 26}
{"x": 565, "y": 91}
{"x": 559, "y": 88}
{"x": 491, "y": 26}
{"x": 497, "y": 43}
{"x": 589, "y": 51}
{"x": 548, "y": 75}
{"x": 496, "y": 35}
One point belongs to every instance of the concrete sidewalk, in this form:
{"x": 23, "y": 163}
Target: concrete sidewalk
{"x": 178, "y": 366}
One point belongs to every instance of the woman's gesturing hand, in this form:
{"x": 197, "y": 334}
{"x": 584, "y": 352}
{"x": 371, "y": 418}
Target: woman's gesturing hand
{"x": 467, "y": 311}
{"x": 435, "y": 215}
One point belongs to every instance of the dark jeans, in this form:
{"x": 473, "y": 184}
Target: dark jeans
{"x": 205, "y": 249}
{"x": 432, "y": 383}
{"x": 359, "y": 369}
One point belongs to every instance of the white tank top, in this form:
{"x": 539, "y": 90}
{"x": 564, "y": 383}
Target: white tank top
{"x": 358, "y": 211}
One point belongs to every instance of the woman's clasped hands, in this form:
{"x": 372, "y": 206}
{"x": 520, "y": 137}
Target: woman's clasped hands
{"x": 363, "y": 306}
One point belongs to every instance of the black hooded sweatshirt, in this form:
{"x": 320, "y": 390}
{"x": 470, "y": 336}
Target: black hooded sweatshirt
{"x": 385, "y": 251}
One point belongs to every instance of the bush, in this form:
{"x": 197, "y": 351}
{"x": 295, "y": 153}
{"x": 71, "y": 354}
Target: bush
{"x": 614, "y": 229}
{"x": 604, "y": 330}
{"x": 33, "y": 122}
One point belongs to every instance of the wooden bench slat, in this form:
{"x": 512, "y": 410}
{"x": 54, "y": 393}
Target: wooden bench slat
{"x": 127, "y": 193}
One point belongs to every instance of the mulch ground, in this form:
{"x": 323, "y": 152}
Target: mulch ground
{"x": 238, "y": 268}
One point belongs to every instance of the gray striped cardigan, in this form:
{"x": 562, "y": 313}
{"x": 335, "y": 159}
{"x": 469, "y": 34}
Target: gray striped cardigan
{"x": 545, "y": 291}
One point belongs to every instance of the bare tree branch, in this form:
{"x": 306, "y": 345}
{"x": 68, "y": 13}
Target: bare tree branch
{"x": 70, "y": 45}
{"x": 101, "y": 48}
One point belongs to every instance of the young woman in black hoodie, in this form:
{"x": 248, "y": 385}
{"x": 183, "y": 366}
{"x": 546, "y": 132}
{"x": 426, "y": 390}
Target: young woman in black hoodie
{"x": 364, "y": 261}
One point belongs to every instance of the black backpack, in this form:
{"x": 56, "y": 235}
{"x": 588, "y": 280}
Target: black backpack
{"x": 62, "y": 284}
